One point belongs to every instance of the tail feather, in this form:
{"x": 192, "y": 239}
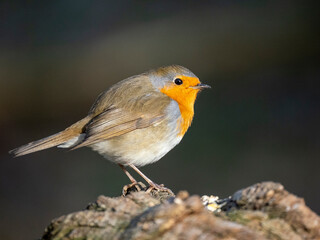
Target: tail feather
{"x": 48, "y": 142}
{"x": 53, "y": 140}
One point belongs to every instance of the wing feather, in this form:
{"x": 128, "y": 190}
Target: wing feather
{"x": 115, "y": 122}
{"x": 125, "y": 107}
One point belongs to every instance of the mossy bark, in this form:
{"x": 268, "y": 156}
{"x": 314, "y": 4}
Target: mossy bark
{"x": 262, "y": 211}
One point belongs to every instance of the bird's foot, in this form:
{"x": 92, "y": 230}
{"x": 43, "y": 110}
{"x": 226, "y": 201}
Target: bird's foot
{"x": 156, "y": 190}
{"x": 133, "y": 187}
{"x": 159, "y": 188}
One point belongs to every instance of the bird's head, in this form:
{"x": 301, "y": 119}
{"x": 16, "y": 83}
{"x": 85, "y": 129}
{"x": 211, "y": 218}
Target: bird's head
{"x": 178, "y": 83}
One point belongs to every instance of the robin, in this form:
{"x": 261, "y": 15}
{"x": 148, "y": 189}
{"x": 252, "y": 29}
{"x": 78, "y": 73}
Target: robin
{"x": 135, "y": 122}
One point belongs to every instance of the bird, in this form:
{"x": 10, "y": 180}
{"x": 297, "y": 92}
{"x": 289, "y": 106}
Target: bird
{"x": 135, "y": 122}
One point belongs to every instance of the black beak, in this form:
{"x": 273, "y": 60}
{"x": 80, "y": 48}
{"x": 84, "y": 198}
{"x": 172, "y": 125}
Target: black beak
{"x": 201, "y": 86}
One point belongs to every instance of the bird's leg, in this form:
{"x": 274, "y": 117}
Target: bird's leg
{"x": 133, "y": 183}
{"x": 127, "y": 173}
{"x": 150, "y": 182}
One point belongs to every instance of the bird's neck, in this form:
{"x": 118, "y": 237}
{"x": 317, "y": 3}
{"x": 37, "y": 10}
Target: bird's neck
{"x": 185, "y": 99}
{"x": 187, "y": 113}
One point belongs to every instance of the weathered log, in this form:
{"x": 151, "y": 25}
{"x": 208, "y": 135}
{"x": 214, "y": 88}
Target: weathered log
{"x": 262, "y": 211}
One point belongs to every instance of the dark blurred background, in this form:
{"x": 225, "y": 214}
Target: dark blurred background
{"x": 260, "y": 121}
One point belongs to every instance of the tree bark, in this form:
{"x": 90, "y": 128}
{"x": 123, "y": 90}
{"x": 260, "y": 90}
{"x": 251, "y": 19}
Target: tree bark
{"x": 262, "y": 211}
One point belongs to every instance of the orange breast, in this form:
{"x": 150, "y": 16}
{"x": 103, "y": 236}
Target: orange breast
{"x": 187, "y": 117}
{"x": 185, "y": 96}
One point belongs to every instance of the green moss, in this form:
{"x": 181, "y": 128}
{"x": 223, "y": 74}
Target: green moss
{"x": 237, "y": 216}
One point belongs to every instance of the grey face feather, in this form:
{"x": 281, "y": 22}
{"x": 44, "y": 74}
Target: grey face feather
{"x": 165, "y": 75}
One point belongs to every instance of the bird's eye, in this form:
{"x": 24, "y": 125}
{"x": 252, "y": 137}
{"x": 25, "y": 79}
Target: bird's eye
{"x": 178, "y": 81}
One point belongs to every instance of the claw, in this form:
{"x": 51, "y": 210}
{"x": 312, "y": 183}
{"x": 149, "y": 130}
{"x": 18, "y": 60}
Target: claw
{"x": 133, "y": 187}
{"x": 159, "y": 188}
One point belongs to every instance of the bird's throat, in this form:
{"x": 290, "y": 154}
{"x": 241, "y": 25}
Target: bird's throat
{"x": 186, "y": 119}
{"x": 185, "y": 99}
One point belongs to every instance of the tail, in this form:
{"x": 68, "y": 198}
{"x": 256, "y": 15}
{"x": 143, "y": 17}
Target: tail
{"x": 67, "y": 138}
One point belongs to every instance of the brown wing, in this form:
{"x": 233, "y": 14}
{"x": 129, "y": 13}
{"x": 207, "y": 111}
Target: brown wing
{"x": 115, "y": 122}
{"x": 141, "y": 112}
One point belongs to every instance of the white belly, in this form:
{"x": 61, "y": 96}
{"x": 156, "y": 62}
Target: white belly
{"x": 138, "y": 152}
{"x": 144, "y": 146}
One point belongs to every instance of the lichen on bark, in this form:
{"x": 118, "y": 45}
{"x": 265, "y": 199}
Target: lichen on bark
{"x": 262, "y": 211}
